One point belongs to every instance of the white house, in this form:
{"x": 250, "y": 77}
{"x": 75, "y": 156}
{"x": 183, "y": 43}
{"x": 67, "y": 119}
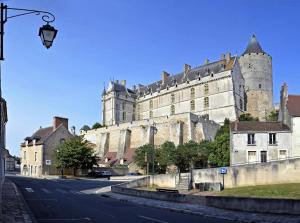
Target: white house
{"x": 255, "y": 142}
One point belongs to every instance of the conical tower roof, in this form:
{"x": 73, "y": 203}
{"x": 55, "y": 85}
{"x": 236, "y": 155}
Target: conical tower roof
{"x": 253, "y": 46}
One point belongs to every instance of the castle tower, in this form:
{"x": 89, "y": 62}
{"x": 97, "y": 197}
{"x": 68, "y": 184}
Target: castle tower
{"x": 256, "y": 68}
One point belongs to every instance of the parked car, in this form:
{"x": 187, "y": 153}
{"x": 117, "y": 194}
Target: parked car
{"x": 133, "y": 174}
{"x": 100, "y": 173}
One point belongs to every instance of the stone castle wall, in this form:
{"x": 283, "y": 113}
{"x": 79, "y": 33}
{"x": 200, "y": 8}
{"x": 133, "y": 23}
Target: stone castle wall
{"x": 177, "y": 128}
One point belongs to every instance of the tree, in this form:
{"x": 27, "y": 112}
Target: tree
{"x": 165, "y": 156}
{"x": 97, "y": 125}
{"x": 144, "y": 155}
{"x": 273, "y": 116}
{"x": 75, "y": 153}
{"x": 17, "y": 159}
{"x": 219, "y": 154}
{"x": 247, "y": 117}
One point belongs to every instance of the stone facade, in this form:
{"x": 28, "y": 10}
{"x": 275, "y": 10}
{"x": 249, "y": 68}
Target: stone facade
{"x": 115, "y": 142}
{"x": 39, "y": 148}
{"x": 185, "y": 106}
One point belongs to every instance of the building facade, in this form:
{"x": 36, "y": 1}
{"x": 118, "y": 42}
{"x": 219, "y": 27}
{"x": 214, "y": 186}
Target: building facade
{"x": 189, "y": 105}
{"x": 257, "y": 142}
{"x": 289, "y": 114}
{"x": 37, "y": 151}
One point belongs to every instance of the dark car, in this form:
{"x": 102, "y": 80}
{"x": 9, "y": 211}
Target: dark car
{"x": 99, "y": 173}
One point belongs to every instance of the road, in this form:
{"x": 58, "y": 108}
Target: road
{"x": 62, "y": 201}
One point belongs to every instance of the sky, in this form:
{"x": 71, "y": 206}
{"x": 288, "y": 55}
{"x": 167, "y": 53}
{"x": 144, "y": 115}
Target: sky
{"x": 135, "y": 40}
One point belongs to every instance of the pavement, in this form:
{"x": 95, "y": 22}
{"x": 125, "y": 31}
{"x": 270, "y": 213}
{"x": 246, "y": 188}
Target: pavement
{"x": 74, "y": 201}
{"x": 14, "y": 208}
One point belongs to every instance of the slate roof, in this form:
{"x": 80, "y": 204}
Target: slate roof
{"x": 255, "y": 126}
{"x": 192, "y": 74}
{"x": 40, "y": 136}
{"x": 293, "y": 105}
{"x": 253, "y": 46}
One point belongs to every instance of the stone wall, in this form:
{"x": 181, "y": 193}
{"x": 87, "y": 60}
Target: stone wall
{"x": 276, "y": 172}
{"x": 179, "y": 129}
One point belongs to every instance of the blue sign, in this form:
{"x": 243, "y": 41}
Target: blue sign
{"x": 223, "y": 170}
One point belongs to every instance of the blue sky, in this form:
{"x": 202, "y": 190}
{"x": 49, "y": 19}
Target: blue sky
{"x": 134, "y": 40}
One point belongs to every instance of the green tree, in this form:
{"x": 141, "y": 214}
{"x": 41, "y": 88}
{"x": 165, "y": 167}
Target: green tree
{"x": 17, "y": 159}
{"x": 165, "y": 156}
{"x": 247, "y": 117}
{"x": 273, "y": 116}
{"x": 75, "y": 153}
{"x": 97, "y": 125}
{"x": 144, "y": 155}
{"x": 219, "y": 154}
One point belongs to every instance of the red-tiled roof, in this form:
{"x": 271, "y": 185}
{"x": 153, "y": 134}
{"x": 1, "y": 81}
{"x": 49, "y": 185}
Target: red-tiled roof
{"x": 255, "y": 126}
{"x": 293, "y": 105}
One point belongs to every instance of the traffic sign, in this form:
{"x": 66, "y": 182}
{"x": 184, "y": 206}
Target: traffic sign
{"x": 223, "y": 170}
{"x": 48, "y": 162}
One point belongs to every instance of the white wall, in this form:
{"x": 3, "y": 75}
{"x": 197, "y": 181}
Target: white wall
{"x": 296, "y": 136}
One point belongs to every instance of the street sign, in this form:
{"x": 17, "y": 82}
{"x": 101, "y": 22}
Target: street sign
{"x": 48, "y": 162}
{"x": 223, "y": 170}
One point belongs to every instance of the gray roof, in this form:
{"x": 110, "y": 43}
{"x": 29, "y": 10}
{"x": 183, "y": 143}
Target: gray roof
{"x": 256, "y": 126}
{"x": 40, "y": 136}
{"x": 194, "y": 73}
{"x": 253, "y": 46}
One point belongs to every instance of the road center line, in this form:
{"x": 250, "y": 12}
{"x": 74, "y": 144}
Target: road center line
{"x": 152, "y": 219}
{"x": 29, "y": 189}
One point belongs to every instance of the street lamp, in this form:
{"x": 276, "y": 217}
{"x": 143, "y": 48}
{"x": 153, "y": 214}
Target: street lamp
{"x": 47, "y": 32}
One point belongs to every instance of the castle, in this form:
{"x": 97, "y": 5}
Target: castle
{"x": 186, "y": 106}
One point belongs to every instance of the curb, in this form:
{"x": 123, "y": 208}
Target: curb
{"x": 27, "y": 214}
{"x": 185, "y": 211}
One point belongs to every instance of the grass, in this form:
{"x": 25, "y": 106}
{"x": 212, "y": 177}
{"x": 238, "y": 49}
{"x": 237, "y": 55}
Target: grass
{"x": 290, "y": 191}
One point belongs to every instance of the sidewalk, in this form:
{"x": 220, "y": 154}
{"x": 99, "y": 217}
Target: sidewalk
{"x": 205, "y": 211}
{"x": 14, "y": 209}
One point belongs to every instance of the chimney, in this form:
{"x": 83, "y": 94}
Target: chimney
{"x": 206, "y": 61}
{"x": 186, "y": 68}
{"x": 227, "y": 57}
{"x": 123, "y": 82}
{"x": 57, "y": 121}
{"x": 283, "y": 112}
{"x": 222, "y": 56}
{"x": 164, "y": 76}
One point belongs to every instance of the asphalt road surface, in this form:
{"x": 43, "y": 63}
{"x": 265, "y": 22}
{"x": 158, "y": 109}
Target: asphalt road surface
{"x": 62, "y": 201}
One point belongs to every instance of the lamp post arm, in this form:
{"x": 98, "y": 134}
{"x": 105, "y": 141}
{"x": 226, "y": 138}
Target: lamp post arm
{"x": 47, "y": 16}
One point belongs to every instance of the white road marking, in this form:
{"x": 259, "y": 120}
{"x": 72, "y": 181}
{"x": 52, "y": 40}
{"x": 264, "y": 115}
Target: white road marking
{"x": 46, "y": 191}
{"x": 29, "y": 189}
{"x": 64, "y": 219}
{"x": 152, "y": 219}
{"x": 75, "y": 192}
{"x": 61, "y": 191}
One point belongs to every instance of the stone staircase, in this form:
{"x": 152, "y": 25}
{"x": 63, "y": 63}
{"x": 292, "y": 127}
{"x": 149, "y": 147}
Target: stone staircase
{"x": 183, "y": 182}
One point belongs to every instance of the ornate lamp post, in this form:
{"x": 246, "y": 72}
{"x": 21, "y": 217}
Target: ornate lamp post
{"x": 46, "y": 32}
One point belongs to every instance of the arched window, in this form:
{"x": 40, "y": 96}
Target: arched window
{"x": 192, "y": 105}
{"x": 172, "y": 98}
{"x": 172, "y": 110}
{"x": 206, "y": 102}
{"x": 206, "y": 89}
{"x": 192, "y": 92}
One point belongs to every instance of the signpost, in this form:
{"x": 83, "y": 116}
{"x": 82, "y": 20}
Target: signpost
{"x": 223, "y": 171}
{"x": 48, "y": 163}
